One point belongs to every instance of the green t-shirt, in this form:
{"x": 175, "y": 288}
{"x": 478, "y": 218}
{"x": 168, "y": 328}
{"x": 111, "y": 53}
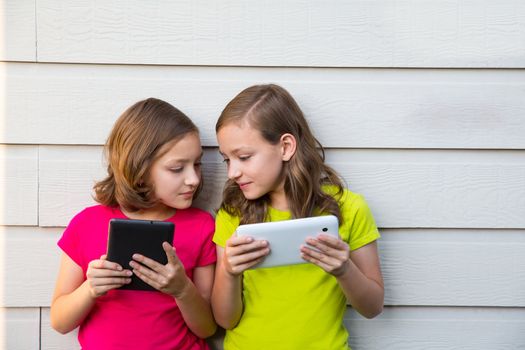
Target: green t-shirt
{"x": 298, "y": 306}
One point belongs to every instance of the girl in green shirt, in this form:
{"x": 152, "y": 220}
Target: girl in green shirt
{"x": 276, "y": 171}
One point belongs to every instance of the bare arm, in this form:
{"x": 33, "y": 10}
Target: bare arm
{"x": 357, "y": 272}
{"x": 74, "y": 297}
{"x": 239, "y": 254}
{"x": 193, "y": 298}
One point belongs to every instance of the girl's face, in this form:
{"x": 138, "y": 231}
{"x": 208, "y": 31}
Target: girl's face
{"x": 253, "y": 163}
{"x": 177, "y": 173}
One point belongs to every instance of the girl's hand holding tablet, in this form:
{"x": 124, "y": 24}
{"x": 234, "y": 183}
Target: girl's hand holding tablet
{"x": 170, "y": 278}
{"x": 333, "y": 254}
{"x": 103, "y": 275}
{"x": 241, "y": 253}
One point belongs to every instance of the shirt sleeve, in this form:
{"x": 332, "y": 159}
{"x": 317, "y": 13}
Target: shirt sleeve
{"x": 208, "y": 254}
{"x": 358, "y": 221}
{"x": 69, "y": 242}
{"x": 225, "y": 226}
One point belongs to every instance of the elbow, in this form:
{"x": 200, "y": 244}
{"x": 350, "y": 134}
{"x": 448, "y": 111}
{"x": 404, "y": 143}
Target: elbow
{"x": 227, "y": 325}
{"x": 58, "y": 324}
{"x": 373, "y": 312}
{"x": 206, "y": 333}
{"x": 60, "y": 328}
{"x": 225, "y": 322}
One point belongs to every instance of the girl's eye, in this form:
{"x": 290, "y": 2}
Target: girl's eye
{"x": 197, "y": 164}
{"x": 176, "y": 170}
{"x": 243, "y": 158}
{"x": 226, "y": 160}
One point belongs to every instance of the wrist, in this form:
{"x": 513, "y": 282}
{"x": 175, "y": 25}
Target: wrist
{"x": 184, "y": 291}
{"x": 344, "y": 270}
{"x": 89, "y": 292}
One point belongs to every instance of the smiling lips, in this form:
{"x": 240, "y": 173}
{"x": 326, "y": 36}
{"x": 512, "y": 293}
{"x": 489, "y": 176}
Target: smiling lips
{"x": 188, "y": 194}
{"x": 243, "y": 185}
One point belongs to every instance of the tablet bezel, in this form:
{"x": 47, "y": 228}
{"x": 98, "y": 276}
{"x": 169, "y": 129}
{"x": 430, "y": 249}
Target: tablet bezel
{"x": 286, "y": 237}
{"x": 128, "y": 236}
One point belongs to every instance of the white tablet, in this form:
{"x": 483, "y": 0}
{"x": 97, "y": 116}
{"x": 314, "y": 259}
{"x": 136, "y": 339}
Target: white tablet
{"x": 286, "y": 237}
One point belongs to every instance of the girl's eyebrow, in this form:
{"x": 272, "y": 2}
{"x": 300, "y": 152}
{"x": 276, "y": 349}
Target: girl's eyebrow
{"x": 236, "y": 151}
{"x": 185, "y": 160}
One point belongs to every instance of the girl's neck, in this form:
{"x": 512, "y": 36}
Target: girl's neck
{"x": 279, "y": 201}
{"x": 156, "y": 213}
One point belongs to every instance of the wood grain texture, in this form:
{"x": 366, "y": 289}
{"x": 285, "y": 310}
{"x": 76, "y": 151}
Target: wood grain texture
{"x": 17, "y": 30}
{"x": 363, "y": 108}
{"x": 380, "y": 33}
{"x": 30, "y": 265}
{"x": 420, "y": 267}
{"x": 453, "y": 267}
{"x": 18, "y": 185}
{"x": 19, "y": 328}
{"x": 67, "y": 175}
{"x": 404, "y": 188}
{"x": 398, "y": 328}
{"x": 438, "y": 328}
{"x": 52, "y": 340}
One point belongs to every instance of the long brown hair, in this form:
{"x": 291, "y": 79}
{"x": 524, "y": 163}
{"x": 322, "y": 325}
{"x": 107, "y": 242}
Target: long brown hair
{"x": 135, "y": 142}
{"x": 272, "y": 111}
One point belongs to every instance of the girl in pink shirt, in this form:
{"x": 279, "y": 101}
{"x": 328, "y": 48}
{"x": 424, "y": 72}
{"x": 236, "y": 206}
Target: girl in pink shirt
{"x": 154, "y": 157}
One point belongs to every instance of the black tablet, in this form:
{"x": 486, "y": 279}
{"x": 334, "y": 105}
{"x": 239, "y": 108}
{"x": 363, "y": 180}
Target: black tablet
{"x": 127, "y": 237}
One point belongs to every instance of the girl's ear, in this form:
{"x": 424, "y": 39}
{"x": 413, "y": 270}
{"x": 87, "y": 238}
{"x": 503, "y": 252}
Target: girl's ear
{"x": 288, "y": 146}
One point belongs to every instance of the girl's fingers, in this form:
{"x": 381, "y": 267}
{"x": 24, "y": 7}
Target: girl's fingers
{"x": 143, "y": 275}
{"x": 249, "y": 257}
{"x": 333, "y": 247}
{"x": 117, "y": 281}
{"x": 104, "y": 272}
{"x": 143, "y": 270}
{"x": 104, "y": 264}
{"x": 238, "y": 240}
{"x": 246, "y": 266}
{"x": 170, "y": 253}
{"x": 246, "y": 248}
{"x": 326, "y": 259}
{"x": 332, "y": 265}
{"x": 152, "y": 264}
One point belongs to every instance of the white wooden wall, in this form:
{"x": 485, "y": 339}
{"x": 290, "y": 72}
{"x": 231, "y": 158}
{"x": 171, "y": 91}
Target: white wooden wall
{"x": 421, "y": 105}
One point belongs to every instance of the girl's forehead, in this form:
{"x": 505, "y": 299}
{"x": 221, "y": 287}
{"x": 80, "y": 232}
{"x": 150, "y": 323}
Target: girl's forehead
{"x": 233, "y": 137}
{"x": 236, "y": 131}
{"x": 181, "y": 144}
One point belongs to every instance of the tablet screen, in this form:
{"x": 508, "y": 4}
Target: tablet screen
{"x": 127, "y": 237}
{"x": 286, "y": 237}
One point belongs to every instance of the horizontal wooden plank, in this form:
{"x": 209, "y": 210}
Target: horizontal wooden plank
{"x": 67, "y": 175}
{"x": 363, "y": 108}
{"x": 31, "y": 260}
{"x": 435, "y": 188}
{"x": 19, "y": 328}
{"x": 432, "y": 33}
{"x": 18, "y": 35}
{"x": 18, "y": 185}
{"x": 406, "y": 328}
{"x": 416, "y": 328}
{"x": 52, "y": 340}
{"x": 405, "y": 188}
{"x": 420, "y": 267}
{"x": 453, "y": 267}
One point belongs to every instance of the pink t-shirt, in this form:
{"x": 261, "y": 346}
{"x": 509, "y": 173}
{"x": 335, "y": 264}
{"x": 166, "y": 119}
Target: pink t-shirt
{"x": 127, "y": 319}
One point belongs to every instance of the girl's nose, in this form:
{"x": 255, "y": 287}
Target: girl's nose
{"x": 193, "y": 178}
{"x": 233, "y": 172}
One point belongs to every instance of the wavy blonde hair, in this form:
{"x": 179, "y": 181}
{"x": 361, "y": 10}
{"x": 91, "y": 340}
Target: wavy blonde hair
{"x": 272, "y": 111}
